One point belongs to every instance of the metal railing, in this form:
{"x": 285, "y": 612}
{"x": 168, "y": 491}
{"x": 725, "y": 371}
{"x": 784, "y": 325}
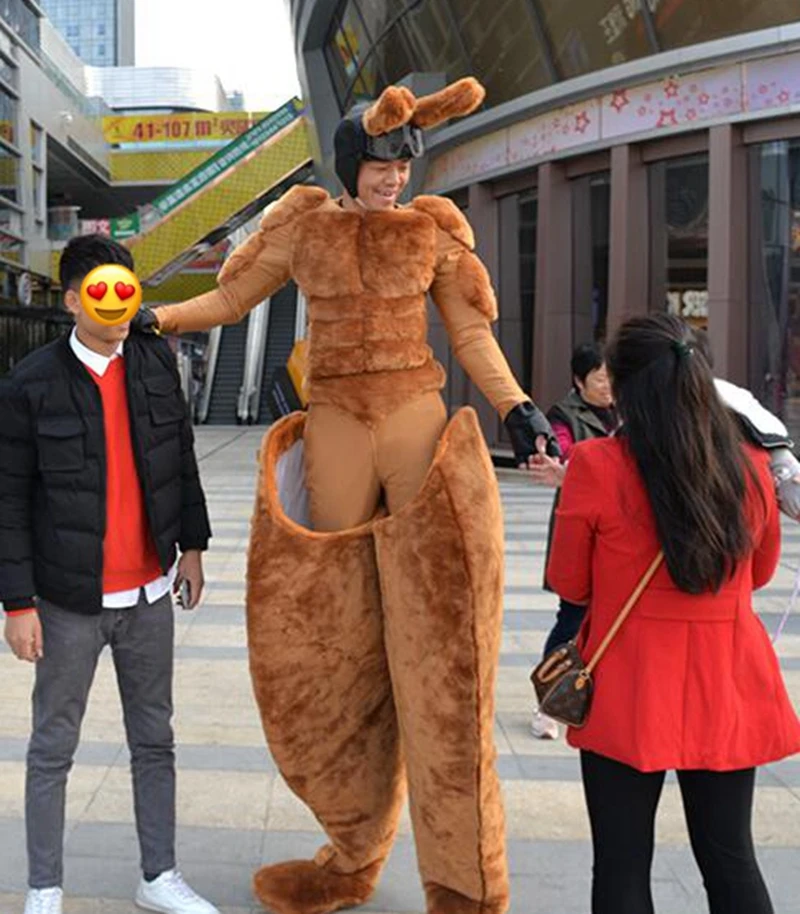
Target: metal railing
{"x": 23, "y": 330}
{"x": 255, "y": 349}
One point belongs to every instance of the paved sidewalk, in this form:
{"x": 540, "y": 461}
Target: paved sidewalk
{"x": 234, "y": 811}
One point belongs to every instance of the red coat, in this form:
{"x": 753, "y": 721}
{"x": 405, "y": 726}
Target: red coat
{"x": 689, "y": 682}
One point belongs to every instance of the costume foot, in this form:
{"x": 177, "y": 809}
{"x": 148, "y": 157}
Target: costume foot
{"x": 303, "y": 887}
{"x": 446, "y": 901}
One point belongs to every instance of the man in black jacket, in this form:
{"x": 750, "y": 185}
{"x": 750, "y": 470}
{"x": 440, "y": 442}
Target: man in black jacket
{"x": 99, "y": 488}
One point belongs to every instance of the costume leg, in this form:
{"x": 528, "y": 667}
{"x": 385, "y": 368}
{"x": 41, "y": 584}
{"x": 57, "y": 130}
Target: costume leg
{"x": 341, "y": 477}
{"x": 440, "y": 562}
{"x": 319, "y": 670}
{"x": 405, "y": 445}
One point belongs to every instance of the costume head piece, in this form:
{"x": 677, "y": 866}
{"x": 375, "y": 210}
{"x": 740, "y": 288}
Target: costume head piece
{"x": 391, "y": 127}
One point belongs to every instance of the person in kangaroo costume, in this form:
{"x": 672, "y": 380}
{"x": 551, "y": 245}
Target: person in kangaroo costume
{"x": 374, "y": 630}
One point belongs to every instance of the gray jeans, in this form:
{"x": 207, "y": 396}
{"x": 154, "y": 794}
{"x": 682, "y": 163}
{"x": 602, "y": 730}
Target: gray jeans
{"x": 141, "y": 641}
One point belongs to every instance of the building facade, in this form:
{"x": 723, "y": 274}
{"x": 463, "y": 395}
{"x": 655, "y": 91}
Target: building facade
{"x": 100, "y": 32}
{"x": 631, "y": 156}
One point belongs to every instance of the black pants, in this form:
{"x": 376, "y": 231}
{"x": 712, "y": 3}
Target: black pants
{"x": 718, "y": 806}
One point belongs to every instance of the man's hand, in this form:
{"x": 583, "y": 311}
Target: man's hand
{"x": 785, "y": 471}
{"x": 24, "y": 635}
{"x": 530, "y": 433}
{"x": 190, "y": 569}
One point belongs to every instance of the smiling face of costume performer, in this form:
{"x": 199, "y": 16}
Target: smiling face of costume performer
{"x": 380, "y": 184}
{"x": 382, "y": 621}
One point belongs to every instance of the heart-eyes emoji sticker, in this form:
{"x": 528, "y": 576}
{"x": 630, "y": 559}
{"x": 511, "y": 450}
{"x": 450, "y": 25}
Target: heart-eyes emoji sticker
{"x": 111, "y": 294}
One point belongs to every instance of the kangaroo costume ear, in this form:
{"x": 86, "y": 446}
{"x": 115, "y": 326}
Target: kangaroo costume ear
{"x": 397, "y": 106}
{"x": 456, "y": 100}
{"x": 393, "y": 109}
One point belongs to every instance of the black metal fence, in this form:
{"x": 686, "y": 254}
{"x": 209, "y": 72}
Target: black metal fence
{"x": 23, "y": 330}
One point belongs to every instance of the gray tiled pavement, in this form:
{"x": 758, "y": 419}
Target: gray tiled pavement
{"x": 234, "y": 811}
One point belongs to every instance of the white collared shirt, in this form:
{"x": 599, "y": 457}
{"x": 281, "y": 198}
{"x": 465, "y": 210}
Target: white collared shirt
{"x": 158, "y": 587}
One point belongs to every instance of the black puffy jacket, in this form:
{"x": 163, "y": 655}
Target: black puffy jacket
{"x": 52, "y": 471}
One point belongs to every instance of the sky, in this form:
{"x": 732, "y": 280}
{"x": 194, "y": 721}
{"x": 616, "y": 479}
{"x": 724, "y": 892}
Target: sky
{"x": 247, "y": 43}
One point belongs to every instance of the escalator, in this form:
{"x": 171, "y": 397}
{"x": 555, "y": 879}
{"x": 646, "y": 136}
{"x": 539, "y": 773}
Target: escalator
{"x": 221, "y": 194}
{"x": 227, "y": 378}
{"x": 279, "y": 342}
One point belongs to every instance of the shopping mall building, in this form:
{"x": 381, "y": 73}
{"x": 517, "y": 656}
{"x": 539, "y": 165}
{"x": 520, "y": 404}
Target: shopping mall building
{"x": 630, "y": 157}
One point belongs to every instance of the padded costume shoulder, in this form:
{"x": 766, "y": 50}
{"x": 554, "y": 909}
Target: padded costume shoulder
{"x": 296, "y": 202}
{"x": 447, "y": 216}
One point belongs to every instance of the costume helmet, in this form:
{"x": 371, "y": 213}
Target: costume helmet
{"x": 391, "y": 128}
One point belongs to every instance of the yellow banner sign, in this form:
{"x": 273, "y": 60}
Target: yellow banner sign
{"x": 221, "y": 126}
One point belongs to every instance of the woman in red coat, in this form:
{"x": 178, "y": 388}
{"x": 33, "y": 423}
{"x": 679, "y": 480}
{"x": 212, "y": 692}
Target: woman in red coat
{"x": 691, "y": 681}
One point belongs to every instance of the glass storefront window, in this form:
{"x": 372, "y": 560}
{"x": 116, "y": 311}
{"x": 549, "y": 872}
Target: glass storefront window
{"x": 379, "y": 43}
{"x": 8, "y": 117}
{"x": 594, "y": 33}
{"x": 516, "y": 284}
{"x": 591, "y": 222}
{"x": 37, "y": 144}
{"x": 501, "y": 42}
{"x": 362, "y": 66}
{"x": 681, "y": 24}
{"x": 679, "y": 238}
{"x": 528, "y": 222}
{"x": 8, "y": 72}
{"x": 775, "y": 279}
{"x": 21, "y": 19}
{"x": 395, "y": 55}
{"x": 11, "y": 244}
{"x": 434, "y": 38}
{"x": 9, "y": 175}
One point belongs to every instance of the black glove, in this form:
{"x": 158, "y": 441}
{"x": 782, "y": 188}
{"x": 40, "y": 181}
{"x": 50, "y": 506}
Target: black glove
{"x": 145, "y": 321}
{"x": 525, "y": 423}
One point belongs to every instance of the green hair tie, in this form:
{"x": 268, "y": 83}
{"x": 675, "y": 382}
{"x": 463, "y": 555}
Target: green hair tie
{"x": 682, "y": 350}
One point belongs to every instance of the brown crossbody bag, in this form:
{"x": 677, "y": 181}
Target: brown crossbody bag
{"x": 563, "y": 683}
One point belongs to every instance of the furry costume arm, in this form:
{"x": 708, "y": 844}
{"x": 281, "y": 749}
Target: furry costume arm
{"x": 253, "y": 272}
{"x": 463, "y": 293}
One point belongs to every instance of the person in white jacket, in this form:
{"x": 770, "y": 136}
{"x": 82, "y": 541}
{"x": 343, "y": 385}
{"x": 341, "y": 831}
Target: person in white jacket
{"x": 767, "y": 430}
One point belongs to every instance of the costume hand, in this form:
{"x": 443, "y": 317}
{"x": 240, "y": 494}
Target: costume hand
{"x": 190, "y": 569}
{"x": 785, "y": 471}
{"x": 24, "y": 635}
{"x": 530, "y": 432}
{"x": 546, "y": 471}
{"x": 145, "y": 321}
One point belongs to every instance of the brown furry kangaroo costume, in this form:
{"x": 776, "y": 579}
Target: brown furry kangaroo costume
{"x": 374, "y": 632}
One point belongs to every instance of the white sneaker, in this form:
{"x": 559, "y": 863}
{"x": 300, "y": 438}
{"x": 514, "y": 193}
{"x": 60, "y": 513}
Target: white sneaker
{"x": 169, "y": 894}
{"x": 543, "y": 727}
{"x": 44, "y": 901}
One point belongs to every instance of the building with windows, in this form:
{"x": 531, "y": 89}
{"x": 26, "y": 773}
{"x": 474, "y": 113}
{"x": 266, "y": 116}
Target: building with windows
{"x": 100, "y": 32}
{"x": 115, "y": 150}
{"x": 631, "y": 156}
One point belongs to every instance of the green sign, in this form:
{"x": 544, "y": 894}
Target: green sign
{"x": 221, "y": 161}
{"x": 125, "y": 226}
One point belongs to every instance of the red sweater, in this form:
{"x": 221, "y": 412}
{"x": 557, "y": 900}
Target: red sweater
{"x": 130, "y": 559}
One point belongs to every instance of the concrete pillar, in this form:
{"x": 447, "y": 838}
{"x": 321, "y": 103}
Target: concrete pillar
{"x": 629, "y": 237}
{"x": 552, "y": 336}
{"x": 727, "y": 253}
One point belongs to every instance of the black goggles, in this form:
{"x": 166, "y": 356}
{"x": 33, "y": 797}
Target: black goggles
{"x": 403, "y": 143}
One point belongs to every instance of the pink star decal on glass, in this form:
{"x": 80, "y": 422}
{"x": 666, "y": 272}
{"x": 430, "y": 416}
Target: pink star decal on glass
{"x": 667, "y": 118}
{"x": 671, "y": 88}
{"x": 784, "y": 97}
{"x": 704, "y": 98}
{"x": 581, "y": 122}
{"x": 620, "y": 100}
